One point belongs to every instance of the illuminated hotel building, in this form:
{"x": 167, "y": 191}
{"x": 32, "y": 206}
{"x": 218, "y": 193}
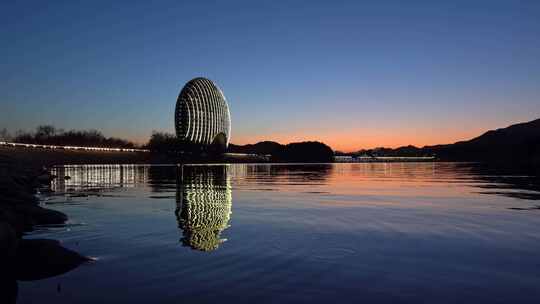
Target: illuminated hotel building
{"x": 202, "y": 115}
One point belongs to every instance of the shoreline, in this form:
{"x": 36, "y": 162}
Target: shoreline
{"x": 23, "y": 259}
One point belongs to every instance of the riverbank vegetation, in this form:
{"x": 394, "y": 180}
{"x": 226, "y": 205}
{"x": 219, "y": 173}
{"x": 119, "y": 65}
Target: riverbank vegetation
{"x": 309, "y": 151}
{"x": 50, "y": 135}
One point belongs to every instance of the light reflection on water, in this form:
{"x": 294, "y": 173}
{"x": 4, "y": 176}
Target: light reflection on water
{"x": 373, "y": 232}
{"x": 203, "y": 205}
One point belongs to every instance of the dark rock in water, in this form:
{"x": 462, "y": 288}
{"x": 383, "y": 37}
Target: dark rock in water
{"x": 43, "y": 258}
{"x": 41, "y": 216}
{"x": 67, "y": 177}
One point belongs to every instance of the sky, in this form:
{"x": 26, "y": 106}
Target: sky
{"x": 352, "y": 74}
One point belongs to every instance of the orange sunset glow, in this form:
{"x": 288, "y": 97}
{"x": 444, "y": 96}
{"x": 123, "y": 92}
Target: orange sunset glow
{"x": 356, "y": 139}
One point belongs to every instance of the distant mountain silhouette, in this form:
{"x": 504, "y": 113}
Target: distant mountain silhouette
{"x": 309, "y": 151}
{"x": 261, "y": 148}
{"x": 401, "y": 151}
{"x": 518, "y": 143}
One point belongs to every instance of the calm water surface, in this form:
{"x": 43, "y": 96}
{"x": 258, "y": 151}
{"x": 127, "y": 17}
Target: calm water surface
{"x": 371, "y": 233}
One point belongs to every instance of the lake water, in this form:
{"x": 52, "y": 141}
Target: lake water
{"x": 368, "y": 232}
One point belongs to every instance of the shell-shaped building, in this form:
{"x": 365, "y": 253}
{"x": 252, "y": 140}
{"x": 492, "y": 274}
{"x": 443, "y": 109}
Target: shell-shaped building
{"x": 202, "y": 115}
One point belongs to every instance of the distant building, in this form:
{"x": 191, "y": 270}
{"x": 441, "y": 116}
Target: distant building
{"x": 343, "y": 158}
{"x": 202, "y": 115}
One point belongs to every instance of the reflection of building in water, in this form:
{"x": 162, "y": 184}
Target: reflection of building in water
{"x": 204, "y": 203}
{"x": 84, "y": 177}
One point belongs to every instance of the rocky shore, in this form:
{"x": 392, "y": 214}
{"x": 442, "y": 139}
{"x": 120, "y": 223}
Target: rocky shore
{"x": 23, "y": 259}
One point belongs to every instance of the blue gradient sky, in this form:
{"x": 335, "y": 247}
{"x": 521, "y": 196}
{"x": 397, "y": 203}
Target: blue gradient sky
{"x": 354, "y": 74}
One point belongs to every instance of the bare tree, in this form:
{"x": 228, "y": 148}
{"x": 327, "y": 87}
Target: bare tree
{"x": 4, "y": 135}
{"x": 45, "y": 131}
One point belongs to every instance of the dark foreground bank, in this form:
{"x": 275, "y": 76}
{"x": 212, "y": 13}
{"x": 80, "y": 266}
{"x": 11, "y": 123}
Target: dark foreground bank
{"x": 20, "y": 212}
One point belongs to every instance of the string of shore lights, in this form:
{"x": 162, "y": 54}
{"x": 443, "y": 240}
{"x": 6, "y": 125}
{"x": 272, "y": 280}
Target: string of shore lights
{"x": 53, "y": 147}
